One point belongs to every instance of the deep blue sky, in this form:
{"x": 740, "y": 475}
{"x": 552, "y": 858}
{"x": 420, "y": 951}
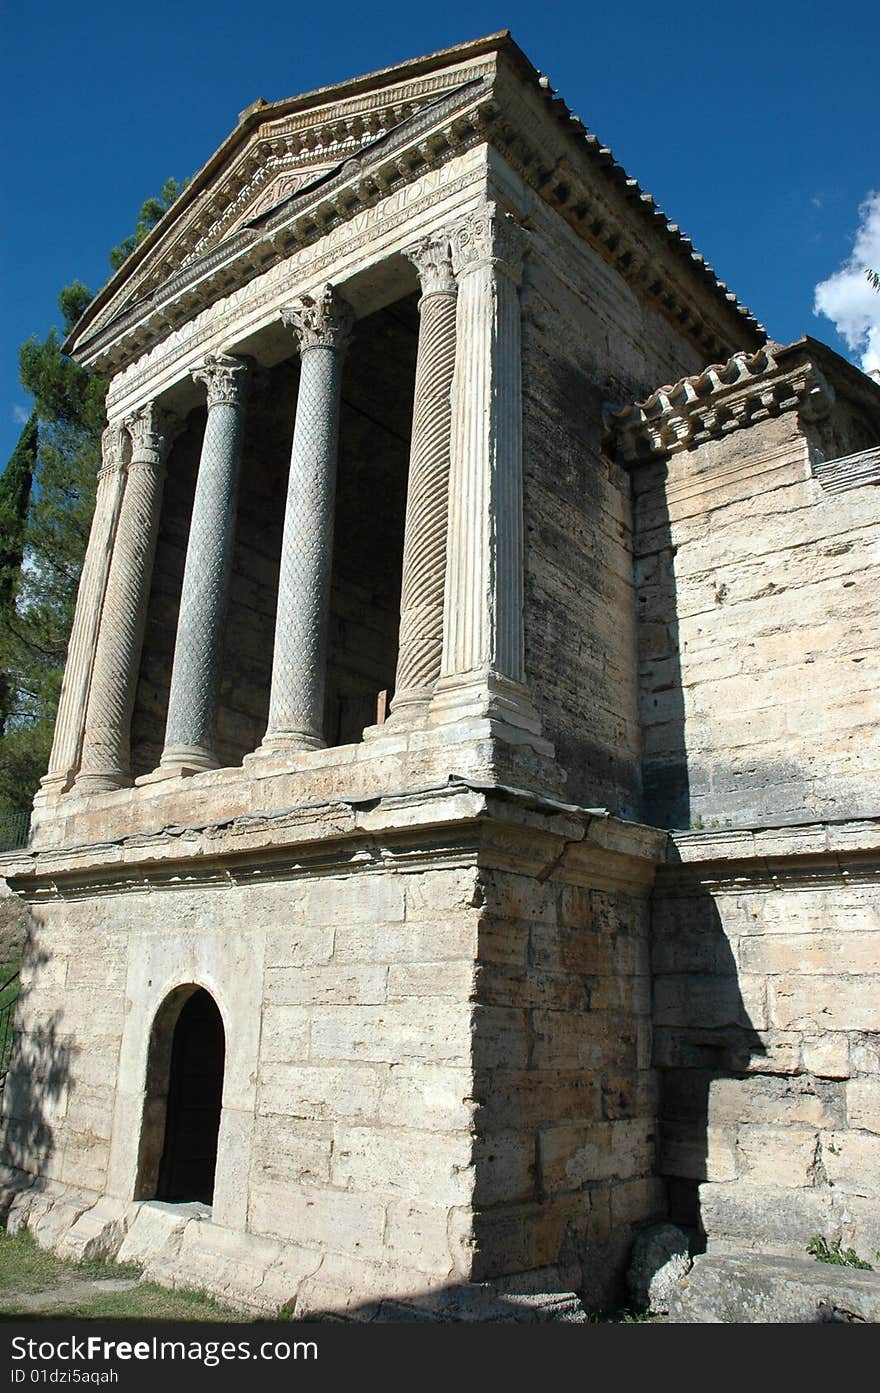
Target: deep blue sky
{"x": 759, "y": 133}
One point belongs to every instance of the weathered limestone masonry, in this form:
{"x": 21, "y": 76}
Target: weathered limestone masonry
{"x": 416, "y": 1096}
{"x": 766, "y": 1021}
{"x": 364, "y": 974}
{"x": 757, "y": 567}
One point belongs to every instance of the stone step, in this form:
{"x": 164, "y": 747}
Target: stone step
{"x": 755, "y": 1288}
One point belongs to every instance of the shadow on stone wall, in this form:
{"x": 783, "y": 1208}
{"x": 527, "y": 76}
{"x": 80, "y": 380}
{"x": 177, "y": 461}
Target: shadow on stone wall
{"x": 666, "y": 776}
{"x": 702, "y": 1035}
{"x": 565, "y": 1115}
{"x": 38, "y": 1085}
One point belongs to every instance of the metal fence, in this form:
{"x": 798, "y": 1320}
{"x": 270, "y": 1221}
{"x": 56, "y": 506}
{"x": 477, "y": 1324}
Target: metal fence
{"x": 14, "y": 828}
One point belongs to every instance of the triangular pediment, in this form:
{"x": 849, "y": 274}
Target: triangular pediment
{"x": 278, "y": 153}
{"x": 294, "y": 170}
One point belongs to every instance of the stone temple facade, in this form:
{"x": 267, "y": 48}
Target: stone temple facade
{"x": 460, "y": 845}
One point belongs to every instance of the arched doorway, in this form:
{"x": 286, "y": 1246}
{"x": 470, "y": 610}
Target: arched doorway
{"x": 178, "y": 1154}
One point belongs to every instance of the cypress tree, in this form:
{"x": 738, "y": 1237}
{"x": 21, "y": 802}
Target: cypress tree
{"x": 15, "y": 492}
{"x": 46, "y": 503}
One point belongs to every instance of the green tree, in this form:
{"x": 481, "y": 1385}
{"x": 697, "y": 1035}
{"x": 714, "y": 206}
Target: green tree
{"x": 49, "y": 483}
{"x": 151, "y": 211}
{"x": 15, "y": 492}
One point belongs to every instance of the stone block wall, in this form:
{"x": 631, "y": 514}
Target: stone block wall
{"x": 59, "y": 1096}
{"x": 346, "y": 1126}
{"x": 363, "y": 1141}
{"x": 566, "y": 1095}
{"x": 587, "y": 341}
{"x": 438, "y": 1068}
{"x": 758, "y": 612}
{"x": 767, "y": 1038}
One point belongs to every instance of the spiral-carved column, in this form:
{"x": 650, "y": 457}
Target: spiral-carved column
{"x": 424, "y": 548}
{"x": 195, "y": 674}
{"x": 107, "y": 738}
{"x": 322, "y": 325}
{"x": 69, "y": 725}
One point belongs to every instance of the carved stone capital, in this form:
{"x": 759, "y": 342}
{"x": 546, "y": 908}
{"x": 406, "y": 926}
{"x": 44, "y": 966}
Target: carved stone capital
{"x": 225, "y": 378}
{"x": 113, "y": 442}
{"x": 488, "y": 237}
{"x": 432, "y": 259}
{"x": 152, "y": 430}
{"x": 320, "y": 321}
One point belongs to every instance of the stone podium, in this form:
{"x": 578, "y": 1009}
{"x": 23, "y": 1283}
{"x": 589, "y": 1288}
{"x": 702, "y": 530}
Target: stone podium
{"x": 430, "y": 877}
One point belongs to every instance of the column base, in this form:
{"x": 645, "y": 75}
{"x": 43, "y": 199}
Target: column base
{"x": 52, "y": 787}
{"x": 489, "y": 697}
{"x": 277, "y": 748}
{"x": 409, "y": 711}
{"x": 104, "y": 781}
{"x": 181, "y": 762}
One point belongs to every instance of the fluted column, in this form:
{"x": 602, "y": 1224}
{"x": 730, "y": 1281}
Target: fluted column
{"x": 483, "y": 660}
{"x": 195, "y": 675}
{"x": 424, "y": 546}
{"x": 70, "y": 721}
{"x": 107, "y": 738}
{"x": 322, "y": 325}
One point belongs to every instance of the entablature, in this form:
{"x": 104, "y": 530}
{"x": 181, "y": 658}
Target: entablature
{"x": 296, "y": 170}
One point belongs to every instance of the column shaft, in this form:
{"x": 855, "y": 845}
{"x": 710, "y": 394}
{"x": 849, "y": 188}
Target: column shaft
{"x": 296, "y": 706}
{"x": 424, "y": 548}
{"x": 195, "y": 677}
{"x": 70, "y": 722}
{"x": 483, "y": 662}
{"x": 107, "y": 738}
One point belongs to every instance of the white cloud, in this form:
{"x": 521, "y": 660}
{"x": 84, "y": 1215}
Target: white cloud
{"x": 848, "y": 299}
{"x": 20, "y": 414}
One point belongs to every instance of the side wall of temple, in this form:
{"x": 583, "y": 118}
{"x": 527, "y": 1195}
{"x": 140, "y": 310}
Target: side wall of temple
{"x": 347, "y": 1098}
{"x": 587, "y": 340}
{"x": 563, "y": 1078}
{"x": 759, "y": 604}
{"x": 435, "y": 1072}
{"x": 766, "y": 1021}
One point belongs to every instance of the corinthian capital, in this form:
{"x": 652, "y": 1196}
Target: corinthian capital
{"x": 225, "y": 378}
{"x": 152, "y": 429}
{"x": 320, "y": 321}
{"x": 112, "y": 448}
{"x": 431, "y": 258}
{"x": 488, "y": 237}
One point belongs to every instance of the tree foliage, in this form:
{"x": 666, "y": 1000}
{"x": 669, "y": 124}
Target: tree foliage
{"x": 47, "y": 495}
{"x": 15, "y": 491}
{"x": 151, "y": 211}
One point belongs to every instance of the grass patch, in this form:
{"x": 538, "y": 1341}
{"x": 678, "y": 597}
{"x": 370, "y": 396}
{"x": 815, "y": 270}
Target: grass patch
{"x": 37, "y": 1285}
{"x": 823, "y": 1251}
{"x": 8, "y": 970}
{"x": 26, "y": 1268}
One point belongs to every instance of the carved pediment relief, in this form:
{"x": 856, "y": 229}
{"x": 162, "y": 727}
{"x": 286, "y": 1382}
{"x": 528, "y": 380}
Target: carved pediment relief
{"x": 285, "y": 154}
{"x": 277, "y": 189}
{"x": 293, "y": 171}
